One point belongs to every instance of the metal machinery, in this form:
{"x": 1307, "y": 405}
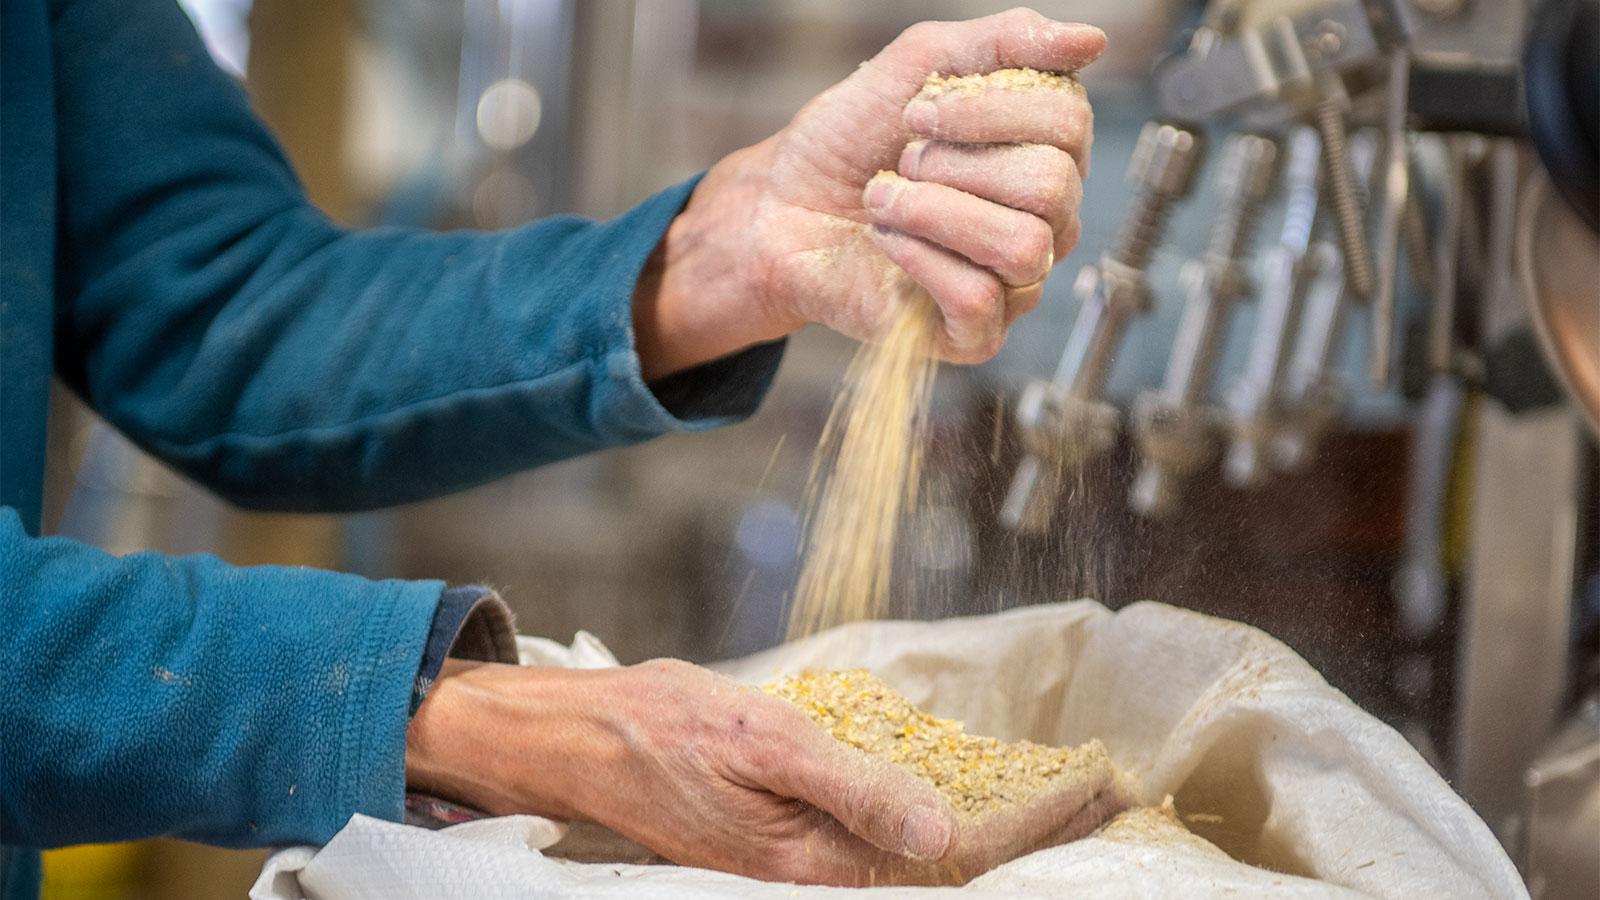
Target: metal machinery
{"x": 1453, "y": 140}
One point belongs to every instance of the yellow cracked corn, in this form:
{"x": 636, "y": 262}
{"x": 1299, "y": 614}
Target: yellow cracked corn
{"x": 978, "y": 775}
{"x": 1003, "y": 79}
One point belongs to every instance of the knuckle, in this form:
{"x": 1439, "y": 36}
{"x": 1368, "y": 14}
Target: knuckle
{"x": 1058, "y": 179}
{"x": 917, "y": 35}
{"x": 1019, "y": 18}
{"x": 966, "y": 354}
{"x": 1025, "y": 15}
{"x": 1032, "y": 248}
{"x": 992, "y": 296}
{"x": 1054, "y": 195}
{"x": 667, "y": 666}
{"x": 760, "y": 744}
{"x": 1030, "y": 176}
{"x": 656, "y": 666}
{"x": 990, "y": 345}
{"x": 1075, "y": 124}
{"x": 752, "y": 719}
{"x": 1039, "y": 243}
{"x": 970, "y": 302}
{"x": 773, "y": 725}
{"x": 858, "y": 801}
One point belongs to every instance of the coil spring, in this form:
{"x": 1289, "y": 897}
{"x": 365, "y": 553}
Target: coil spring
{"x": 1346, "y": 202}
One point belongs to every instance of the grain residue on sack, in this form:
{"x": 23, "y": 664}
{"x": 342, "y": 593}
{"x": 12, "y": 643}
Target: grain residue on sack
{"x": 978, "y": 775}
{"x": 1155, "y": 825}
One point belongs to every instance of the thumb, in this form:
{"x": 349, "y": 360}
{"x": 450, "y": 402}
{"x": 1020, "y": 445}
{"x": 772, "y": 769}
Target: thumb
{"x": 1019, "y": 38}
{"x": 883, "y": 803}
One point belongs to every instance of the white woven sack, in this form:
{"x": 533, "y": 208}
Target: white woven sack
{"x": 1310, "y": 796}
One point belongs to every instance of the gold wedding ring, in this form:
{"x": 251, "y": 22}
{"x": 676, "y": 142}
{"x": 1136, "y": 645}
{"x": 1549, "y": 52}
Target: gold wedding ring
{"x": 1025, "y": 287}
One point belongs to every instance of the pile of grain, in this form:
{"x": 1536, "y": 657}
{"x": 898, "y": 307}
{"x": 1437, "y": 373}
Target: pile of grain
{"x": 1003, "y": 79}
{"x": 978, "y": 775}
{"x": 1158, "y": 825}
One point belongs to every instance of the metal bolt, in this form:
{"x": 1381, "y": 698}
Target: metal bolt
{"x": 1244, "y": 179}
{"x": 1341, "y": 187}
{"x": 1161, "y": 170}
{"x": 1326, "y": 42}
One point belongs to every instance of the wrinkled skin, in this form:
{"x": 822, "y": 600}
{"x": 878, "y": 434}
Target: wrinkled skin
{"x": 801, "y": 228}
{"x": 711, "y": 773}
{"x": 691, "y": 764}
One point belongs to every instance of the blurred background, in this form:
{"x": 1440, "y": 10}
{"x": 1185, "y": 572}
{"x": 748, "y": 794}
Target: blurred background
{"x": 487, "y": 113}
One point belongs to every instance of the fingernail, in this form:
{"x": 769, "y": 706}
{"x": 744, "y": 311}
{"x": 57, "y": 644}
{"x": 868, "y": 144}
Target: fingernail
{"x": 880, "y": 193}
{"x": 921, "y": 115}
{"x": 911, "y": 158}
{"x": 925, "y": 832}
{"x": 1087, "y": 34}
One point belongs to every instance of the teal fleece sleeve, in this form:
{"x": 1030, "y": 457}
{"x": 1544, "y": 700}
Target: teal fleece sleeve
{"x": 151, "y": 695}
{"x": 213, "y": 315}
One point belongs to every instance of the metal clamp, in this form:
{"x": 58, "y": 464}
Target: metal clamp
{"x": 1063, "y": 421}
{"x": 1173, "y": 425}
{"x": 1313, "y": 393}
{"x": 1252, "y": 400}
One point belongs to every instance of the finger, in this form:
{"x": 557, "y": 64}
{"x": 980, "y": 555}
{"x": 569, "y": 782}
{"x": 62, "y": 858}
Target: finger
{"x": 1021, "y": 301}
{"x": 1035, "y": 178}
{"x": 1045, "y": 821}
{"x": 1019, "y": 38}
{"x": 1015, "y": 245}
{"x": 831, "y": 854}
{"x": 880, "y": 802}
{"x": 1005, "y": 108}
{"x": 971, "y": 299}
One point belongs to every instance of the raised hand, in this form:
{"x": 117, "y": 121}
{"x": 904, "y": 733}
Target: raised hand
{"x": 978, "y": 195}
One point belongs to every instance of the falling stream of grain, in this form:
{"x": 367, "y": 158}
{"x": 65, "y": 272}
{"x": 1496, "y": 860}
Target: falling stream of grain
{"x": 864, "y": 475}
{"x": 865, "y": 471}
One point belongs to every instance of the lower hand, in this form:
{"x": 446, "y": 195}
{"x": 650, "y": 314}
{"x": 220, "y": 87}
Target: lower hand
{"x": 802, "y": 228}
{"x": 695, "y": 766}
